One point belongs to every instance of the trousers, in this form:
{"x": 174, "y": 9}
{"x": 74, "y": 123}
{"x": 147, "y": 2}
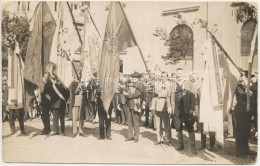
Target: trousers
{"x": 46, "y": 119}
{"x": 77, "y": 114}
{"x": 162, "y": 121}
{"x": 19, "y": 114}
{"x": 133, "y": 124}
{"x": 58, "y": 114}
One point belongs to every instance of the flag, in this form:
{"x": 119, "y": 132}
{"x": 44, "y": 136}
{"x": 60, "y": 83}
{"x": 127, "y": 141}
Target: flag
{"x": 118, "y": 37}
{"x": 39, "y": 44}
{"x": 62, "y": 49}
{"x": 218, "y": 88}
{"x": 92, "y": 48}
{"x": 15, "y": 78}
{"x": 38, "y": 49}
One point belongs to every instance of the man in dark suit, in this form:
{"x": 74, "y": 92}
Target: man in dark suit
{"x": 182, "y": 103}
{"x": 46, "y": 91}
{"x": 59, "y": 101}
{"x": 146, "y": 99}
{"x": 134, "y": 113}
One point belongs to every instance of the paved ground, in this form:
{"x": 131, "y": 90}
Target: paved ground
{"x": 64, "y": 149}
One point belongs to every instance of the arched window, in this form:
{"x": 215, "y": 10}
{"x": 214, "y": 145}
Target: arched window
{"x": 247, "y": 33}
{"x": 181, "y": 42}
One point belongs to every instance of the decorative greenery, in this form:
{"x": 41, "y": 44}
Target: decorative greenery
{"x": 245, "y": 12}
{"x": 179, "y": 42}
{"x": 15, "y": 28}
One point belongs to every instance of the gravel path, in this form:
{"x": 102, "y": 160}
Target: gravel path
{"x": 64, "y": 149}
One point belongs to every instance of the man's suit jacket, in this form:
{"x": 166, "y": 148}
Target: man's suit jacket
{"x": 162, "y": 90}
{"x": 188, "y": 98}
{"x": 47, "y": 93}
{"x": 131, "y": 99}
{"x": 59, "y": 103}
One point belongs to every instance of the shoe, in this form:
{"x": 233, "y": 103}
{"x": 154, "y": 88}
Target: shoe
{"x": 129, "y": 139}
{"x": 101, "y": 138}
{"x": 109, "y": 138}
{"x": 74, "y": 135}
{"x": 62, "y": 134}
{"x": 82, "y": 135}
{"x": 44, "y": 133}
{"x": 13, "y": 132}
{"x": 123, "y": 124}
{"x": 157, "y": 142}
{"x": 23, "y": 133}
{"x": 135, "y": 140}
{"x": 53, "y": 134}
{"x": 181, "y": 146}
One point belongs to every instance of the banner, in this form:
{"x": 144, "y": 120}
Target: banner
{"x": 218, "y": 88}
{"x": 118, "y": 37}
{"x": 39, "y": 44}
{"x": 62, "y": 49}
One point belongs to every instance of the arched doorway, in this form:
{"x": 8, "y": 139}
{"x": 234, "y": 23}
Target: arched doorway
{"x": 247, "y": 33}
{"x": 181, "y": 46}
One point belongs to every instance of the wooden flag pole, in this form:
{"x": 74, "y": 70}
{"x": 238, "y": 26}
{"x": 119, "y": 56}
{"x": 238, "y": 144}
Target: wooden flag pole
{"x": 250, "y": 66}
{"x": 93, "y": 22}
{"x": 135, "y": 40}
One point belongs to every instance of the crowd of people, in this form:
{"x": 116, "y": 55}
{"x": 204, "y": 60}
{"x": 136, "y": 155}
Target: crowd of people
{"x": 166, "y": 102}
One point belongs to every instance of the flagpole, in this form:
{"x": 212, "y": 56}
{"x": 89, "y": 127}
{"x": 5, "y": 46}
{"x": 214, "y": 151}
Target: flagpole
{"x": 74, "y": 22}
{"x": 214, "y": 38}
{"x": 250, "y": 66}
{"x": 93, "y": 22}
{"x": 135, "y": 40}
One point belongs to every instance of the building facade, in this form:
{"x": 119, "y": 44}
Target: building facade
{"x": 172, "y": 18}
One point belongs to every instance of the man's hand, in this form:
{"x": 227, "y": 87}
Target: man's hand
{"x": 169, "y": 110}
{"x": 191, "y": 111}
{"x": 125, "y": 93}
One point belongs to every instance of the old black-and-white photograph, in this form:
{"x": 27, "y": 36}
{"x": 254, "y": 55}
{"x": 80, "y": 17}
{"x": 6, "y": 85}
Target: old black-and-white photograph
{"x": 129, "y": 82}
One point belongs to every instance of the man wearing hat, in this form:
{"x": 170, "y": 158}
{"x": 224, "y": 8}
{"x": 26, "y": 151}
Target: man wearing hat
{"x": 133, "y": 102}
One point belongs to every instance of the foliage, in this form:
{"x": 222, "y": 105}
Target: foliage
{"x": 15, "y": 28}
{"x": 245, "y": 12}
{"x": 179, "y": 42}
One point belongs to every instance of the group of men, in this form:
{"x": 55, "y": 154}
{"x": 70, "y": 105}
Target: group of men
{"x": 161, "y": 99}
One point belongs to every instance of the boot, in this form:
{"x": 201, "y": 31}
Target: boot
{"x": 180, "y": 140}
{"x": 203, "y": 142}
{"x": 192, "y": 143}
{"x": 211, "y": 140}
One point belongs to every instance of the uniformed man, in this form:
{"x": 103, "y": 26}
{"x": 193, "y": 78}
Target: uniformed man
{"x": 133, "y": 102}
{"x": 182, "y": 101}
{"x": 162, "y": 89}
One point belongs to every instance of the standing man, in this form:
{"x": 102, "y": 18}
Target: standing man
{"x": 4, "y": 99}
{"x": 78, "y": 110}
{"x": 182, "y": 100}
{"x": 122, "y": 100}
{"x": 46, "y": 91}
{"x": 134, "y": 113}
{"x": 59, "y": 101}
{"x": 162, "y": 113}
{"x": 103, "y": 118}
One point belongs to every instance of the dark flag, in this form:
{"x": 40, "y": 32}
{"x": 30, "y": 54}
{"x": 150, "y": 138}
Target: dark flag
{"x": 38, "y": 49}
{"x": 39, "y": 45}
{"x": 118, "y": 37}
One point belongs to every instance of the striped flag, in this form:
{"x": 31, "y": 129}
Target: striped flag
{"x": 218, "y": 88}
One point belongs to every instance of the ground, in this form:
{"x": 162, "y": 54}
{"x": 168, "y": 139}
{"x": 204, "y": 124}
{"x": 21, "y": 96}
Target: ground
{"x": 64, "y": 149}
